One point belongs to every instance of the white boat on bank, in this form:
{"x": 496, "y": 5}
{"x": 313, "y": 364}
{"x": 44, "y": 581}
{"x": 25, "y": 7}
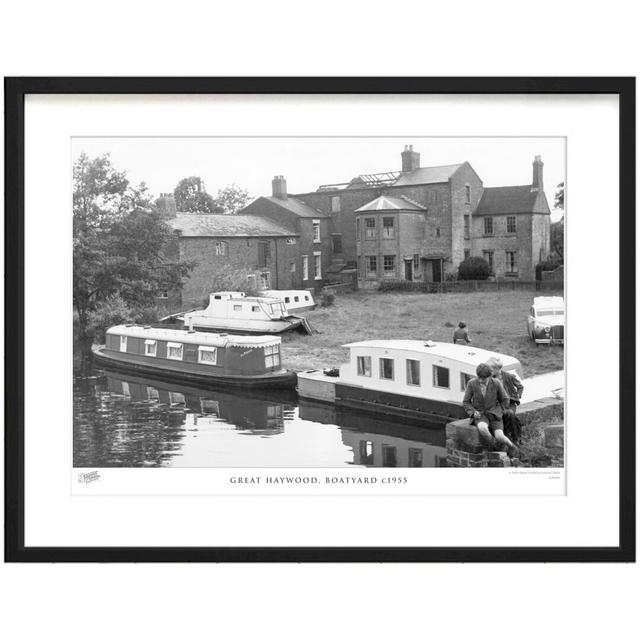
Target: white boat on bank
{"x": 295, "y": 300}
{"x": 407, "y": 378}
{"x": 236, "y": 312}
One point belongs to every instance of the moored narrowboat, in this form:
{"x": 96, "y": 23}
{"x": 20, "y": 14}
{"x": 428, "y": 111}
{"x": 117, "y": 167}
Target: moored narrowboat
{"x": 241, "y": 361}
{"x": 404, "y": 378}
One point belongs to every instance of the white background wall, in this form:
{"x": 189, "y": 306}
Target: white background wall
{"x": 297, "y": 601}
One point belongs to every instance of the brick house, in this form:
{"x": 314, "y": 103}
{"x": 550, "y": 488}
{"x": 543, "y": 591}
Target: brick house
{"x": 230, "y": 249}
{"x": 421, "y": 222}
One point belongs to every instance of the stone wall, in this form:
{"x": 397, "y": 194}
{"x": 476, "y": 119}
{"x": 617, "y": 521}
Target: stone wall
{"x": 542, "y": 425}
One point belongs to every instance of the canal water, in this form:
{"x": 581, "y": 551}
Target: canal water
{"x": 123, "y": 420}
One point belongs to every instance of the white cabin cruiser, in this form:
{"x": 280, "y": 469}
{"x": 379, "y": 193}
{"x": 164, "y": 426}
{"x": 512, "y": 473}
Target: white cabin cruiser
{"x": 295, "y": 300}
{"x": 238, "y": 313}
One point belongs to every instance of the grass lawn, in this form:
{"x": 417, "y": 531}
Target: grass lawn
{"x": 496, "y": 321}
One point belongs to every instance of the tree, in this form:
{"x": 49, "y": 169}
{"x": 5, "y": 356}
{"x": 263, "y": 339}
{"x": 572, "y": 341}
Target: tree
{"x": 559, "y": 197}
{"x": 231, "y": 199}
{"x": 473, "y": 268}
{"x": 121, "y": 245}
{"x": 557, "y": 239}
{"x": 191, "y": 195}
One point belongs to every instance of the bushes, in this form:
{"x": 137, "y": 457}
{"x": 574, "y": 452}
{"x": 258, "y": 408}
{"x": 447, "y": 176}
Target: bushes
{"x": 474, "y": 268}
{"x": 327, "y": 298}
{"x": 550, "y": 264}
{"x": 114, "y": 310}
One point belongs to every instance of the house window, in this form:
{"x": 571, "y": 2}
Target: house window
{"x": 150, "y": 348}
{"x": 389, "y": 266}
{"x": 467, "y": 254}
{"x": 174, "y": 350}
{"x": 335, "y": 204}
{"x": 467, "y": 223}
{"x": 437, "y": 232}
{"x": 292, "y": 267}
{"x": 488, "y": 256}
{"x": 413, "y": 372}
{"x": 388, "y": 230}
{"x": 265, "y": 279}
{"x": 357, "y": 229}
{"x": 291, "y": 241}
{"x": 251, "y": 281}
{"x": 488, "y": 226}
{"x": 220, "y": 248}
{"x": 511, "y": 224}
{"x": 512, "y": 262}
{"x": 386, "y": 368}
{"x": 272, "y": 356}
{"x": 305, "y": 267}
{"x": 123, "y": 343}
{"x": 336, "y": 241}
{"x": 370, "y": 228}
{"x": 317, "y": 265}
{"x": 464, "y": 380}
{"x": 316, "y": 230}
{"x": 415, "y": 457}
{"x": 364, "y": 366}
{"x": 440, "y": 377}
{"x": 208, "y": 355}
{"x": 163, "y": 295}
{"x": 467, "y": 194}
{"x": 372, "y": 265}
{"x": 416, "y": 260}
{"x": 264, "y": 253}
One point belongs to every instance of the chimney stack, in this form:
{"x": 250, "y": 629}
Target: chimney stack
{"x": 410, "y": 159}
{"x": 279, "y": 187}
{"x": 537, "y": 184}
{"x": 166, "y": 204}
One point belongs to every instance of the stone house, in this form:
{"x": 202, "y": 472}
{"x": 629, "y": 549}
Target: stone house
{"x": 421, "y": 222}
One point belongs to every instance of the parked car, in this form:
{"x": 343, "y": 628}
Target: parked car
{"x": 545, "y": 324}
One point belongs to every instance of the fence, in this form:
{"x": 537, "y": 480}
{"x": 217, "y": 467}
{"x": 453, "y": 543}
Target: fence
{"x": 467, "y": 286}
{"x": 339, "y": 287}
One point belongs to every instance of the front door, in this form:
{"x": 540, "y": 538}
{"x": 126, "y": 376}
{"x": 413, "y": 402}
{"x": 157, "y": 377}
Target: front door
{"x": 437, "y": 270}
{"x": 408, "y": 270}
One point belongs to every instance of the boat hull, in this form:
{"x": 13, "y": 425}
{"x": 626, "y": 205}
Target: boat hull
{"x": 314, "y": 386}
{"x": 246, "y": 327}
{"x": 277, "y": 379}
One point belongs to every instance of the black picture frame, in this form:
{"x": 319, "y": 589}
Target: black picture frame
{"x": 15, "y": 91}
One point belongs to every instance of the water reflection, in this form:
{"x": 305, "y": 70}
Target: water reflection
{"x": 121, "y": 420}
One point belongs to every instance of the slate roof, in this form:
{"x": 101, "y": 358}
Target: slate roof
{"x": 519, "y": 199}
{"x": 296, "y": 206}
{"x": 427, "y": 175}
{"x": 227, "y": 226}
{"x": 386, "y": 203}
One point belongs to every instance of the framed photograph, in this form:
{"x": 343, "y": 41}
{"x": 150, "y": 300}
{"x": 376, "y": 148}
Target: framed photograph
{"x": 320, "y": 319}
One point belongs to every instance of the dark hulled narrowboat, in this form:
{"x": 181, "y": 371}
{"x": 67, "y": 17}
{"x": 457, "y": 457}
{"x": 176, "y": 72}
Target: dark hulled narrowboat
{"x": 241, "y": 361}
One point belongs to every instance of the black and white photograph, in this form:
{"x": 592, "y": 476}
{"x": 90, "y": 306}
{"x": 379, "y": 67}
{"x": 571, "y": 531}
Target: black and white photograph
{"x": 318, "y": 302}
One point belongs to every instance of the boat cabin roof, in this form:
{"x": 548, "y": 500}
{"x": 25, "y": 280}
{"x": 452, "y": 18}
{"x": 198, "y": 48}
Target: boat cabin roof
{"x": 239, "y": 295}
{"x": 193, "y": 337}
{"x": 272, "y": 293}
{"x": 457, "y": 352}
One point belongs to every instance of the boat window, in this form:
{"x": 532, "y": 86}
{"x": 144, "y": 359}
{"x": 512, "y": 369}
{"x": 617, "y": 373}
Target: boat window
{"x": 237, "y": 307}
{"x": 123, "y": 343}
{"x": 389, "y": 456}
{"x": 366, "y": 452}
{"x": 464, "y": 379}
{"x": 176, "y": 398}
{"x": 440, "y": 377}
{"x": 150, "y": 348}
{"x": 174, "y": 350}
{"x": 272, "y": 356}
{"x": 208, "y": 355}
{"x": 306, "y": 298}
{"x": 287, "y": 299}
{"x": 255, "y": 308}
{"x": 153, "y": 394}
{"x": 413, "y": 372}
{"x": 386, "y": 368}
{"x": 415, "y": 457}
{"x": 364, "y": 366}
